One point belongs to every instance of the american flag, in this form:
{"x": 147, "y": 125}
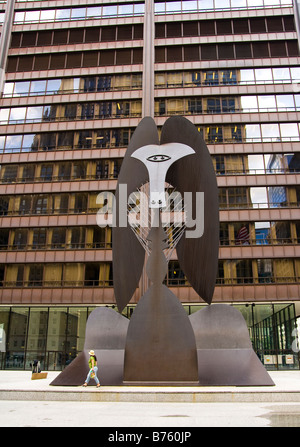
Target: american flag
{"x": 242, "y": 236}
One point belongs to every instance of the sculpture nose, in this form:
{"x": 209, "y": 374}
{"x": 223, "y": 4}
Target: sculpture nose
{"x": 157, "y": 160}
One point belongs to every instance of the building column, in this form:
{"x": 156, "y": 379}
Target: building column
{"x": 5, "y": 39}
{"x": 148, "y": 60}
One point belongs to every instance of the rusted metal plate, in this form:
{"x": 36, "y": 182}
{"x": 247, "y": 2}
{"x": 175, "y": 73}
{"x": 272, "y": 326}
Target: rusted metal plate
{"x": 160, "y": 344}
{"x": 105, "y": 334}
{"x": 198, "y": 257}
{"x": 128, "y": 254}
{"x": 225, "y": 354}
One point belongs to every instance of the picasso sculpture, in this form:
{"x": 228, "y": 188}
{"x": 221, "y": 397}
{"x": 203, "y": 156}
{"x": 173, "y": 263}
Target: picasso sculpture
{"x": 161, "y": 344}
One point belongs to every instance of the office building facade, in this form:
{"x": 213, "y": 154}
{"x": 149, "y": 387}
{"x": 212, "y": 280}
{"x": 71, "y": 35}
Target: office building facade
{"x": 77, "y": 76}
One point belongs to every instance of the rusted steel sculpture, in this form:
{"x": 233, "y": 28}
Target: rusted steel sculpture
{"x": 161, "y": 345}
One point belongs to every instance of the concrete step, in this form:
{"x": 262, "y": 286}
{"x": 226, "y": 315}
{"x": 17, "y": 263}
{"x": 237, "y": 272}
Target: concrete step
{"x": 16, "y": 385}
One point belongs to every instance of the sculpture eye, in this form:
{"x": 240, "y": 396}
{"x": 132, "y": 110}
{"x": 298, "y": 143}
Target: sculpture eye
{"x": 158, "y": 158}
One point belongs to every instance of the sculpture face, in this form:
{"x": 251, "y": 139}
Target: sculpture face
{"x": 157, "y": 160}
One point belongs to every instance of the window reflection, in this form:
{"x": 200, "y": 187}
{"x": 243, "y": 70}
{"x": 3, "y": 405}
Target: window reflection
{"x": 21, "y": 88}
{"x": 285, "y": 103}
{"x": 281, "y": 75}
{"x": 262, "y": 233}
{"x": 259, "y": 198}
{"x": 255, "y": 164}
{"x": 47, "y": 16}
{"x": 252, "y": 132}
{"x": 270, "y": 132}
{"x": 289, "y": 132}
{"x": 277, "y": 196}
{"x": 109, "y": 10}
{"x": 263, "y": 75}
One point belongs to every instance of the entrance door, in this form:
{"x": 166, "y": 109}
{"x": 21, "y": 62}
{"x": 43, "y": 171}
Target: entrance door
{"x": 54, "y": 361}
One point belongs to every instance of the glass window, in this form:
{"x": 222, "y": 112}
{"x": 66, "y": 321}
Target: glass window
{"x": 262, "y": 233}
{"x": 274, "y": 163}
{"x": 32, "y": 16}
{"x": 159, "y": 8}
{"x": 295, "y": 74}
{"x": 34, "y": 114}
{"x": 285, "y": 103}
{"x": 281, "y": 75}
{"x": 28, "y": 141}
{"x": 263, "y": 75}
{"x": 139, "y": 8}
{"x": 289, "y": 132}
{"x": 249, "y": 103}
{"x": 76, "y": 329}
{"x": 205, "y": 4}
{"x": 173, "y": 7}
{"x": 4, "y": 322}
{"x": 270, "y": 132}
{"x": 47, "y": 15}
{"x": 77, "y": 13}
{"x": 37, "y": 87}
{"x": 247, "y": 76}
{"x": 57, "y": 330}
{"x": 93, "y": 11}
{"x": 259, "y": 197}
{"x": 222, "y": 4}
{"x": 109, "y": 11}
{"x": 255, "y": 164}
{"x": 272, "y": 2}
{"x": 277, "y": 196}
{"x": 283, "y": 232}
{"x": 252, "y": 132}
{"x": 4, "y": 113}
{"x": 17, "y": 338}
{"x": 266, "y": 103}
{"x": 238, "y": 3}
{"x": 37, "y": 335}
{"x": 8, "y": 88}
{"x": 49, "y": 113}
{"x": 19, "y": 17}
{"x": 125, "y": 10}
{"x": 243, "y": 271}
{"x": 17, "y": 115}
{"x": 13, "y": 142}
{"x": 53, "y": 86}
{"x": 62, "y": 14}
{"x": 21, "y": 88}
{"x": 2, "y": 142}
{"x": 255, "y": 3}
{"x": 265, "y": 271}
{"x": 189, "y": 6}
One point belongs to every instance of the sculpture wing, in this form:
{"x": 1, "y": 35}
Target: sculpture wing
{"x": 198, "y": 257}
{"x": 128, "y": 254}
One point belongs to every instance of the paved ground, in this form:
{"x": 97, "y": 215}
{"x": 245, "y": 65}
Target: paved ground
{"x": 175, "y": 416}
{"x": 133, "y": 414}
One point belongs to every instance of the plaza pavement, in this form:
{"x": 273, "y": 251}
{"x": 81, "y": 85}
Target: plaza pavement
{"x": 118, "y": 411}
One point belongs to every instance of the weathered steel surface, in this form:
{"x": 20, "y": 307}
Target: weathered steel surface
{"x": 198, "y": 257}
{"x": 225, "y": 354}
{"x": 160, "y": 345}
{"x": 128, "y": 254}
{"x": 105, "y": 333}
